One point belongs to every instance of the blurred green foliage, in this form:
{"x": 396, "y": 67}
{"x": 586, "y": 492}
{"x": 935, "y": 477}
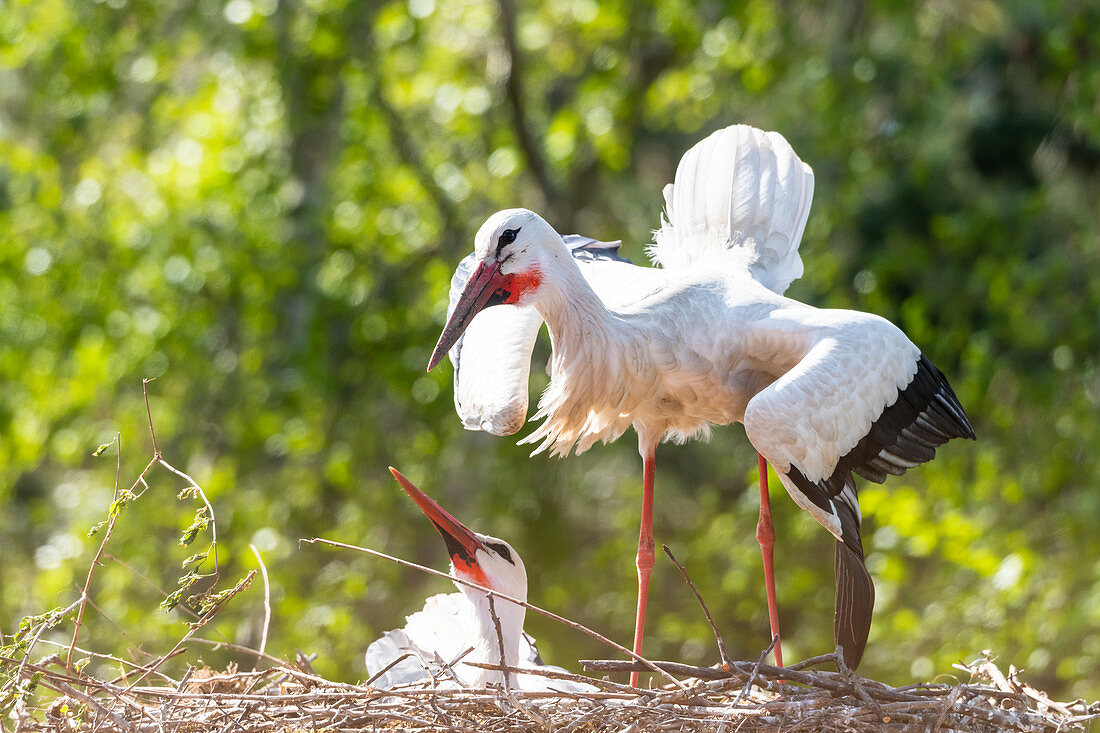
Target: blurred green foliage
{"x": 260, "y": 202}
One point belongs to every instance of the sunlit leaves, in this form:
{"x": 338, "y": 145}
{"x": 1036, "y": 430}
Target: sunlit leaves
{"x": 262, "y": 204}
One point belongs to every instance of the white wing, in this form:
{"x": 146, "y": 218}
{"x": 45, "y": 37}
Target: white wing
{"x": 431, "y": 637}
{"x": 740, "y": 195}
{"x": 492, "y": 359}
{"x": 860, "y": 398}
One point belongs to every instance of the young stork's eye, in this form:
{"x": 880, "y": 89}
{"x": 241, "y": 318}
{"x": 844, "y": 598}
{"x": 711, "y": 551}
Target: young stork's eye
{"x": 501, "y": 549}
{"x": 507, "y": 237}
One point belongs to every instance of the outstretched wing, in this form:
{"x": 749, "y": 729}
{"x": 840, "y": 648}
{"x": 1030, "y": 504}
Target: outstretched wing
{"x": 492, "y": 359}
{"x": 863, "y": 399}
{"x": 740, "y": 198}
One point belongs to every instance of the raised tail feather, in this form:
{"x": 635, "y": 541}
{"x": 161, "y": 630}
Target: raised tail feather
{"x": 740, "y": 195}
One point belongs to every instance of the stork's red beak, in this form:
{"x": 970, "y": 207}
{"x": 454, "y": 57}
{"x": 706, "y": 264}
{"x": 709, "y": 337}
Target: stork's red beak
{"x": 462, "y": 544}
{"x": 483, "y": 282}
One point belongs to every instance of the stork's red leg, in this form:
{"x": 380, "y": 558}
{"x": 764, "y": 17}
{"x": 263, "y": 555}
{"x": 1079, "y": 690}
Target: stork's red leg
{"x": 765, "y": 535}
{"x": 645, "y": 552}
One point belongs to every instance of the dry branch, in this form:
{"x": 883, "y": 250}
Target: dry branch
{"x": 810, "y": 701}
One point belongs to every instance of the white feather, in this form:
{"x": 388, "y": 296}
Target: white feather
{"x": 741, "y": 197}
{"x": 818, "y": 410}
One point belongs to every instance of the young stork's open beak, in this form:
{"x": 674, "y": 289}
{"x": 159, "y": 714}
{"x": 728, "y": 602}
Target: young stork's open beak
{"x": 462, "y": 543}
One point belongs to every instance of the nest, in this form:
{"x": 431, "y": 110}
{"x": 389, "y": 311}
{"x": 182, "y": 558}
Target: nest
{"x": 745, "y": 697}
{"x": 56, "y": 694}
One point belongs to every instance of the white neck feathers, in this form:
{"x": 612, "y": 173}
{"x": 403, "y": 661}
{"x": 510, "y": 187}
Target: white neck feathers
{"x": 597, "y": 365}
{"x": 486, "y": 642}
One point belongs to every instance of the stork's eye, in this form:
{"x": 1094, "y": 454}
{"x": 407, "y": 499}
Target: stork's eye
{"x": 501, "y": 549}
{"x": 507, "y": 237}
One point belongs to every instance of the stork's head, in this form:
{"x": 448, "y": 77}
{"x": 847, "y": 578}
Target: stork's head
{"x": 475, "y": 557}
{"x": 512, "y": 249}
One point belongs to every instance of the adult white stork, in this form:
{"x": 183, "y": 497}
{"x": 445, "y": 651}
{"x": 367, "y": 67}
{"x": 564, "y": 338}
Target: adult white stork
{"x": 452, "y": 623}
{"x": 707, "y": 339}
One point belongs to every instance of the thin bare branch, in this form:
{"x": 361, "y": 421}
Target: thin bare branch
{"x": 194, "y": 486}
{"x": 374, "y": 677}
{"x": 755, "y": 670}
{"x": 722, "y": 655}
{"x": 500, "y": 641}
{"x": 149, "y": 414}
{"x": 267, "y": 601}
{"x": 95, "y": 560}
{"x": 48, "y": 623}
{"x": 240, "y": 648}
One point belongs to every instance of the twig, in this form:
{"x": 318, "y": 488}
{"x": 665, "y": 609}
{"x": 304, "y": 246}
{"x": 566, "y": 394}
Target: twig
{"x": 143, "y": 667}
{"x": 319, "y": 680}
{"x": 614, "y": 687}
{"x": 755, "y": 671}
{"x": 237, "y": 648}
{"x": 120, "y": 628}
{"x": 181, "y": 607}
{"x": 99, "y": 655}
{"x": 448, "y": 667}
{"x": 811, "y": 662}
{"x": 267, "y": 602}
{"x": 706, "y": 611}
{"x": 387, "y": 668}
{"x": 531, "y": 714}
{"x": 90, "y": 701}
{"x": 202, "y": 495}
{"x": 302, "y": 661}
{"x": 168, "y": 706}
{"x": 500, "y": 642}
{"x": 149, "y": 414}
{"x": 646, "y": 664}
{"x": 853, "y": 680}
{"x": 242, "y": 585}
{"x": 99, "y": 552}
{"x": 47, "y": 623}
{"x": 948, "y": 704}
{"x": 687, "y": 670}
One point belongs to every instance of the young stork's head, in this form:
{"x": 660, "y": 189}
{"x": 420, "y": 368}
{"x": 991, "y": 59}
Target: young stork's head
{"x": 513, "y": 249}
{"x": 475, "y": 557}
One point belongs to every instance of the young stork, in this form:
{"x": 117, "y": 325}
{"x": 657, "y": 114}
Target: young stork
{"x": 451, "y": 623}
{"x": 707, "y": 339}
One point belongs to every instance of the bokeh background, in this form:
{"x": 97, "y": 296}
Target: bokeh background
{"x": 260, "y": 203}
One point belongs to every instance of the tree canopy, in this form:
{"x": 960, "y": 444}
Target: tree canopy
{"x": 259, "y": 203}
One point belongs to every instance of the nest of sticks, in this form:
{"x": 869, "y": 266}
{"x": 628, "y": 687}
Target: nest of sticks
{"x": 745, "y": 697}
{"x": 58, "y": 693}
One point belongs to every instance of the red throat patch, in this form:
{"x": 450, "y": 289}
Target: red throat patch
{"x": 521, "y": 283}
{"x": 470, "y": 571}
